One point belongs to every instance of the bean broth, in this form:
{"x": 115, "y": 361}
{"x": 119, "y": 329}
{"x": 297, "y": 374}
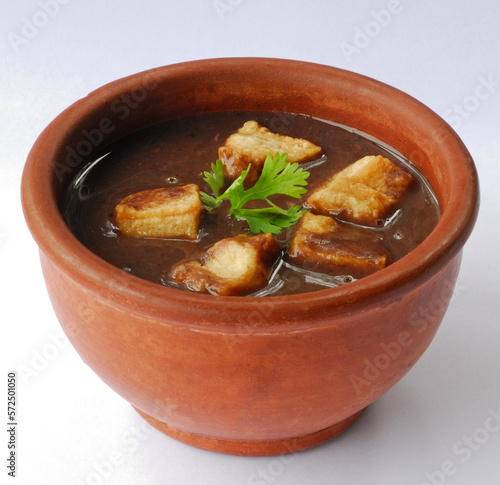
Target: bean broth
{"x": 177, "y": 152}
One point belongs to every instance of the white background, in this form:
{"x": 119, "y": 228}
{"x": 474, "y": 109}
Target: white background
{"x": 74, "y": 430}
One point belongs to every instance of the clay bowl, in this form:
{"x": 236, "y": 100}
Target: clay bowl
{"x": 246, "y": 375}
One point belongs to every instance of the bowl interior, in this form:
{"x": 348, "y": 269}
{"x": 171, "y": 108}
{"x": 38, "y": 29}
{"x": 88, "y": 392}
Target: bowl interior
{"x": 129, "y": 104}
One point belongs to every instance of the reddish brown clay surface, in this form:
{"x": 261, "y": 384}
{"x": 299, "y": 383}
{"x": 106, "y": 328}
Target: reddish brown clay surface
{"x": 246, "y": 375}
{"x": 254, "y": 448}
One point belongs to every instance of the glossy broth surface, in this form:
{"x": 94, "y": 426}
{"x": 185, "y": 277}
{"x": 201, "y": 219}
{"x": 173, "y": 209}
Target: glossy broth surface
{"x": 178, "y": 152}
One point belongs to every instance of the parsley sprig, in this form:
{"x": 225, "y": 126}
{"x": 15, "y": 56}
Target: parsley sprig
{"x": 277, "y": 177}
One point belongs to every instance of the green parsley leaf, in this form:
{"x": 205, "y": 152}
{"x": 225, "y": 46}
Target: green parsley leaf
{"x": 209, "y": 202}
{"x": 216, "y": 178}
{"x": 277, "y": 177}
{"x": 270, "y": 219}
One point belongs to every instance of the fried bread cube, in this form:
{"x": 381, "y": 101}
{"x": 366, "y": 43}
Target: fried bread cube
{"x": 233, "y": 266}
{"x": 323, "y": 245}
{"x": 362, "y": 193}
{"x": 172, "y": 212}
{"x": 252, "y": 143}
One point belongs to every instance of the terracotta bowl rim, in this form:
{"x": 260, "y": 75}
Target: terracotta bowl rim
{"x": 158, "y": 302}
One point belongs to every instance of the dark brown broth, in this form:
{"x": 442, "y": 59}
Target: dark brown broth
{"x": 178, "y": 152}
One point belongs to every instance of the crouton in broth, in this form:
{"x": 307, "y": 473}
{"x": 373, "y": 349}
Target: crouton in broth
{"x": 156, "y": 175}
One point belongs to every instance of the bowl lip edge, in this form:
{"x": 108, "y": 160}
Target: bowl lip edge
{"x": 389, "y": 282}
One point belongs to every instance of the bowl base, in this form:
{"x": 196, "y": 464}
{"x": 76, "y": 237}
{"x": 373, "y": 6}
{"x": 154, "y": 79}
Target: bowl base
{"x": 253, "y": 448}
